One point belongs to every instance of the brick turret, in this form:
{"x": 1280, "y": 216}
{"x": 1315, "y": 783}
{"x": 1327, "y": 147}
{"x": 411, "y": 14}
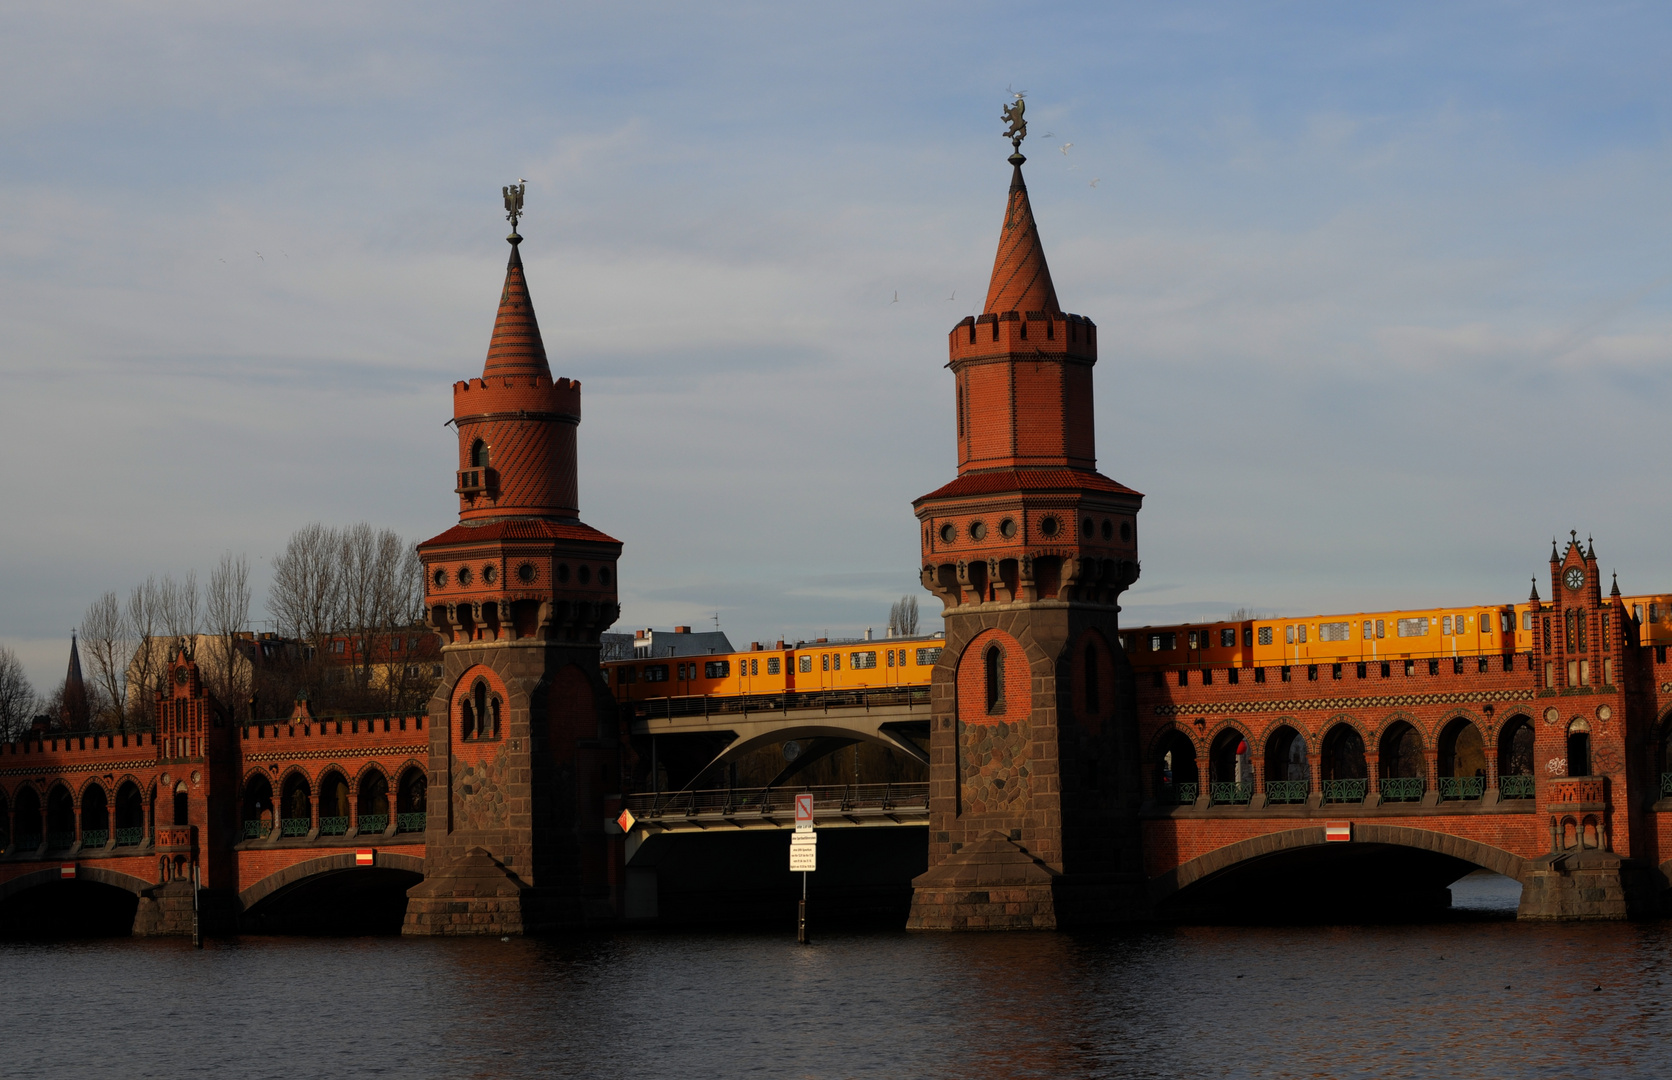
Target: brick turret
{"x": 1032, "y": 757}
{"x": 523, "y": 742}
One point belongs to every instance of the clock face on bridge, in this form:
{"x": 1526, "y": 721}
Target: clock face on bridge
{"x": 1574, "y": 578}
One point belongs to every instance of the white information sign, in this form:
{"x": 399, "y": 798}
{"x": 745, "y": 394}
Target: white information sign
{"x": 804, "y": 812}
{"x": 804, "y": 851}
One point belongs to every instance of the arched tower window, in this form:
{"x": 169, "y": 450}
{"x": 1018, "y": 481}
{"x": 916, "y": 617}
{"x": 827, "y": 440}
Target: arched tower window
{"x": 1579, "y": 748}
{"x": 478, "y": 454}
{"x": 479, "y": 713}
{"x": 1092, "y": 703}
{"x": 180, "y": 804}
{"x": 995, "y": 680}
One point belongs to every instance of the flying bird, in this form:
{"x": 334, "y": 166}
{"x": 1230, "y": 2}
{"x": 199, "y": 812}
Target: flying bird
{"x": 260, "y": 256}
{"x": 1094, "y": 182}
{"x": 896, "y": 299}
{"x": 954, "y": 295}
{"x": 1065, "y": 147}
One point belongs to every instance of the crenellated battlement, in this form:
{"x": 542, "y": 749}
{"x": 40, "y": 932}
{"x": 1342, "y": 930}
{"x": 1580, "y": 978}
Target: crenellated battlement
{"x": 1000, "y": 333}
{"x": 520, "y": 393}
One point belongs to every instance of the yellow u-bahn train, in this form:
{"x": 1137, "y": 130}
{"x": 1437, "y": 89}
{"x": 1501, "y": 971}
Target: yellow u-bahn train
{"x": 821, "y": 669}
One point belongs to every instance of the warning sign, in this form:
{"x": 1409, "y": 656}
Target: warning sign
{"x": 626, "y": 821}
{"x": 804, "y": 811}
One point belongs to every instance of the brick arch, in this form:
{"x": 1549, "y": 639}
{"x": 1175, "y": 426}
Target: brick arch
{"x": 99, "y": 875}
{"x": 368, "y": 767}
{"x": 1017, "y": 674}
{"x": 92, "y": 782}
{"x": 1228, "y": 724}
{"x": 1091, "y": 638}
{"x": 325, "y": 864}
{"x": 1420, "y": 726}
{"x": 476, "y": 750}
{"x": 1496, "y": 859}
{"x": 1160, "y": 736}
{"x": 274, "y": 781}
{"x": 1264, "y": 736}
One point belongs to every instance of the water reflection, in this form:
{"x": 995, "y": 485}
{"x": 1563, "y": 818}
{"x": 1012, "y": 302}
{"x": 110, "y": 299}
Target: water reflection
{"x": 1463, "y": 999}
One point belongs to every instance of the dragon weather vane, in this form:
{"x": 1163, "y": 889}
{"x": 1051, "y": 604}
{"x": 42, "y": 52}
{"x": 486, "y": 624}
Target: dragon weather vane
{"x": 1018, "y": 127}
{"x": 514, "y": 202}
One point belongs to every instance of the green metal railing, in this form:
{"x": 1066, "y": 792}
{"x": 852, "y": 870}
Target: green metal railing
{"x": 1665, "y": 784}
{"x": 373, "y": 823}
{"x": 1227, "y": 791}
{"x": 257, "y": 830}
{"x": 1515, "y": 787}
{"x": 1286, "y": 791}
{"x": 1180, "y": 794}
{"x": 95, "y": 838}
{"x": 410, "y": 822}
{"x": 294, "y": 826}
{"x": 1462, "y": 787}
{"x": 1402, "y": 788}
{"x": 333, "y": 826}
{"x": 1345, "y": 791}
{"x": 130, "y": 837}
{"x": 28, "y": 843}
{"x": 58, "y": 841}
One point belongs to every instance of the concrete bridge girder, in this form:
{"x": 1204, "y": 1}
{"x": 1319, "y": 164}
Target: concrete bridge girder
{"x": 750, "y": 731}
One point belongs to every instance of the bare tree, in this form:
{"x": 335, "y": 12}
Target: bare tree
{"x": 304, "y": 596}
{"x": 107, "y": 639}
{"x": 144, "y": 617}
{"x": 18, "y": 704}
{"x": 181, "y": 607}
{"x": 902, "y": 617}
{"x": 227, "y": 605}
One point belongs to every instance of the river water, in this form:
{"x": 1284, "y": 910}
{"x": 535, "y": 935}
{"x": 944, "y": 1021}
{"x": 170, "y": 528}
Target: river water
{"x": 1476, "y": 996}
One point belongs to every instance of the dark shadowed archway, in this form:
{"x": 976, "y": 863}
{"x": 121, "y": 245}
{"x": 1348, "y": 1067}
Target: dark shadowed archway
{"x": 332, "y": 895}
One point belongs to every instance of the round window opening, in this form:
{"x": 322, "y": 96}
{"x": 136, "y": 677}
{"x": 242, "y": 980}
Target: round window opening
{"x": 1007, "y": 528}
{"x": 1049, "y": 526}
{"x": 563, "y": 571}
{"x": 583, "y": 574}
{"x": 1108, "y": 529}
{"x": 464, "y": 575}
{"x": 440, "y": 578}
{"x": 1088, "y": 528}
{"x": 603, "y": 575}
{"x": 488, "y": 574}
{"x": 978, "y": 530}
{"x": 949, "y": 533}
{"x": 1126, "y": 530}
{"x": 525, "y": 572}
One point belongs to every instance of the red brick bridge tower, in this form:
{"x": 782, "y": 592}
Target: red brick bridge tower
{"x": 523, "y": 741}
{"x": 1033, "y": 778}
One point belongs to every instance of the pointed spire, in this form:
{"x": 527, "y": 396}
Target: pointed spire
{"x": 1532, "y": 598}
{"x": 1615, "y": 591}
{"x": 1021, "y": 280}
{"x": 516, "y": 348}
{"x": 75, "y": 691}
{"x": 1591, "y": 552}
{"x": 1553, "y": 556}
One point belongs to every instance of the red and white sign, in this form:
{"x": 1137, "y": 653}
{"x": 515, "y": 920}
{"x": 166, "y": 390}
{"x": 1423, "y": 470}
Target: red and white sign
{"x": 67, "y": 870}
{"x": 1338, "y": 832}
{"x": 804, "y": 811}
{"x": 365, "y": 857}
{"x": 626, "y": 821}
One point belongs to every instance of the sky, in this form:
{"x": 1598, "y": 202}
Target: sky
{"x": 1384, "y": 291}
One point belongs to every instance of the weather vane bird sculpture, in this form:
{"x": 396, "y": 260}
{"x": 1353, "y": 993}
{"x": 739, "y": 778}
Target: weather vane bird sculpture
{"x": 514, "y": 202}
{"x": 1018, "y": 127}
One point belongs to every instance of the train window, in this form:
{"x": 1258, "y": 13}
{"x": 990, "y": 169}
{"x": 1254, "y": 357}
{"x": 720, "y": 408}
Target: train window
{"x": 1248, "y": 636}
{"x": 835, "y": 661}
{"x": 862, "y": 660}
{"x": 628, "y": 674}
{"x": 656, "y": 673}
{"x": 824, "y": 658}
{"x": 773, "y": 665}
{"x": 754, "y": 667}
{"x": 1265, "y": 635}
{"x": 1417, "y": 627}
{"x": 1445, "y": 624}
{"x": 1163, "y": 642}
{"x": 1506, "y": 620}
{"x": 926, "y": 657}
{"x": 1335, "y": 631}
{"x": 1193, "y": 641}
{"x": 890, "y": 657}
{"x": 1369, "y": 629}
{"x": 682, "y": 672}
{"x": 806, "y": 664}
{"x": 716, "y": 669}
{"x": 1228, "y": 638}
{"x": 1526, "y": 620}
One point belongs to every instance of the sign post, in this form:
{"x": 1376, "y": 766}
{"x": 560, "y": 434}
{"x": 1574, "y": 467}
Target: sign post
{"x": 804, "y": 856}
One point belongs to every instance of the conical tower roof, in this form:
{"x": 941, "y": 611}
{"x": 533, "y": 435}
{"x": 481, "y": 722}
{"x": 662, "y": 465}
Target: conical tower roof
{"x": 75, "y": 691}
{"x": 516, "y": 348}
{"x": 1021, "y": 280}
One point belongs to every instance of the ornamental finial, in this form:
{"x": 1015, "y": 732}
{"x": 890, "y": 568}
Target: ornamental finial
{"x": 514, "y": 204}
{"x": 1018, "y": 129}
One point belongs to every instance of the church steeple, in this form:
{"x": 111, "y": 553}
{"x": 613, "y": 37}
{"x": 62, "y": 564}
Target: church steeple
{"x": 76, "y": 713}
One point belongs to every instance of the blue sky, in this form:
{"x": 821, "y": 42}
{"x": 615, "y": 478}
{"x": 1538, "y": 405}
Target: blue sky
{"x": 1385, "y": 293}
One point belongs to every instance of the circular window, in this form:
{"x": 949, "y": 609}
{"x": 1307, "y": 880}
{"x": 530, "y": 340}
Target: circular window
{"x": 1126, "y": 530}
{"x": 1088, "y": 528}
{"x": 488, "y": 573}
{"x": 949, "y": 533}
{"x": 439, "y": 577}
{"x": 603, "y": 575}
{"x": 463, "y": 575}
{"x": 1007, "y": 528}
{"x": 563, "y": 571}
{"x": 525, "y": 572}
{"x": 583, "y": 574}
{"x": 1048, "y": 526}
{"x": 1108, "y": 529}
{"x": 978, "y": 530}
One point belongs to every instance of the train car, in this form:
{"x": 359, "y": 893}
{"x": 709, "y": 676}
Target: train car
{"x": 806, "y": 668}
{"x": 1653, "y": 616}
